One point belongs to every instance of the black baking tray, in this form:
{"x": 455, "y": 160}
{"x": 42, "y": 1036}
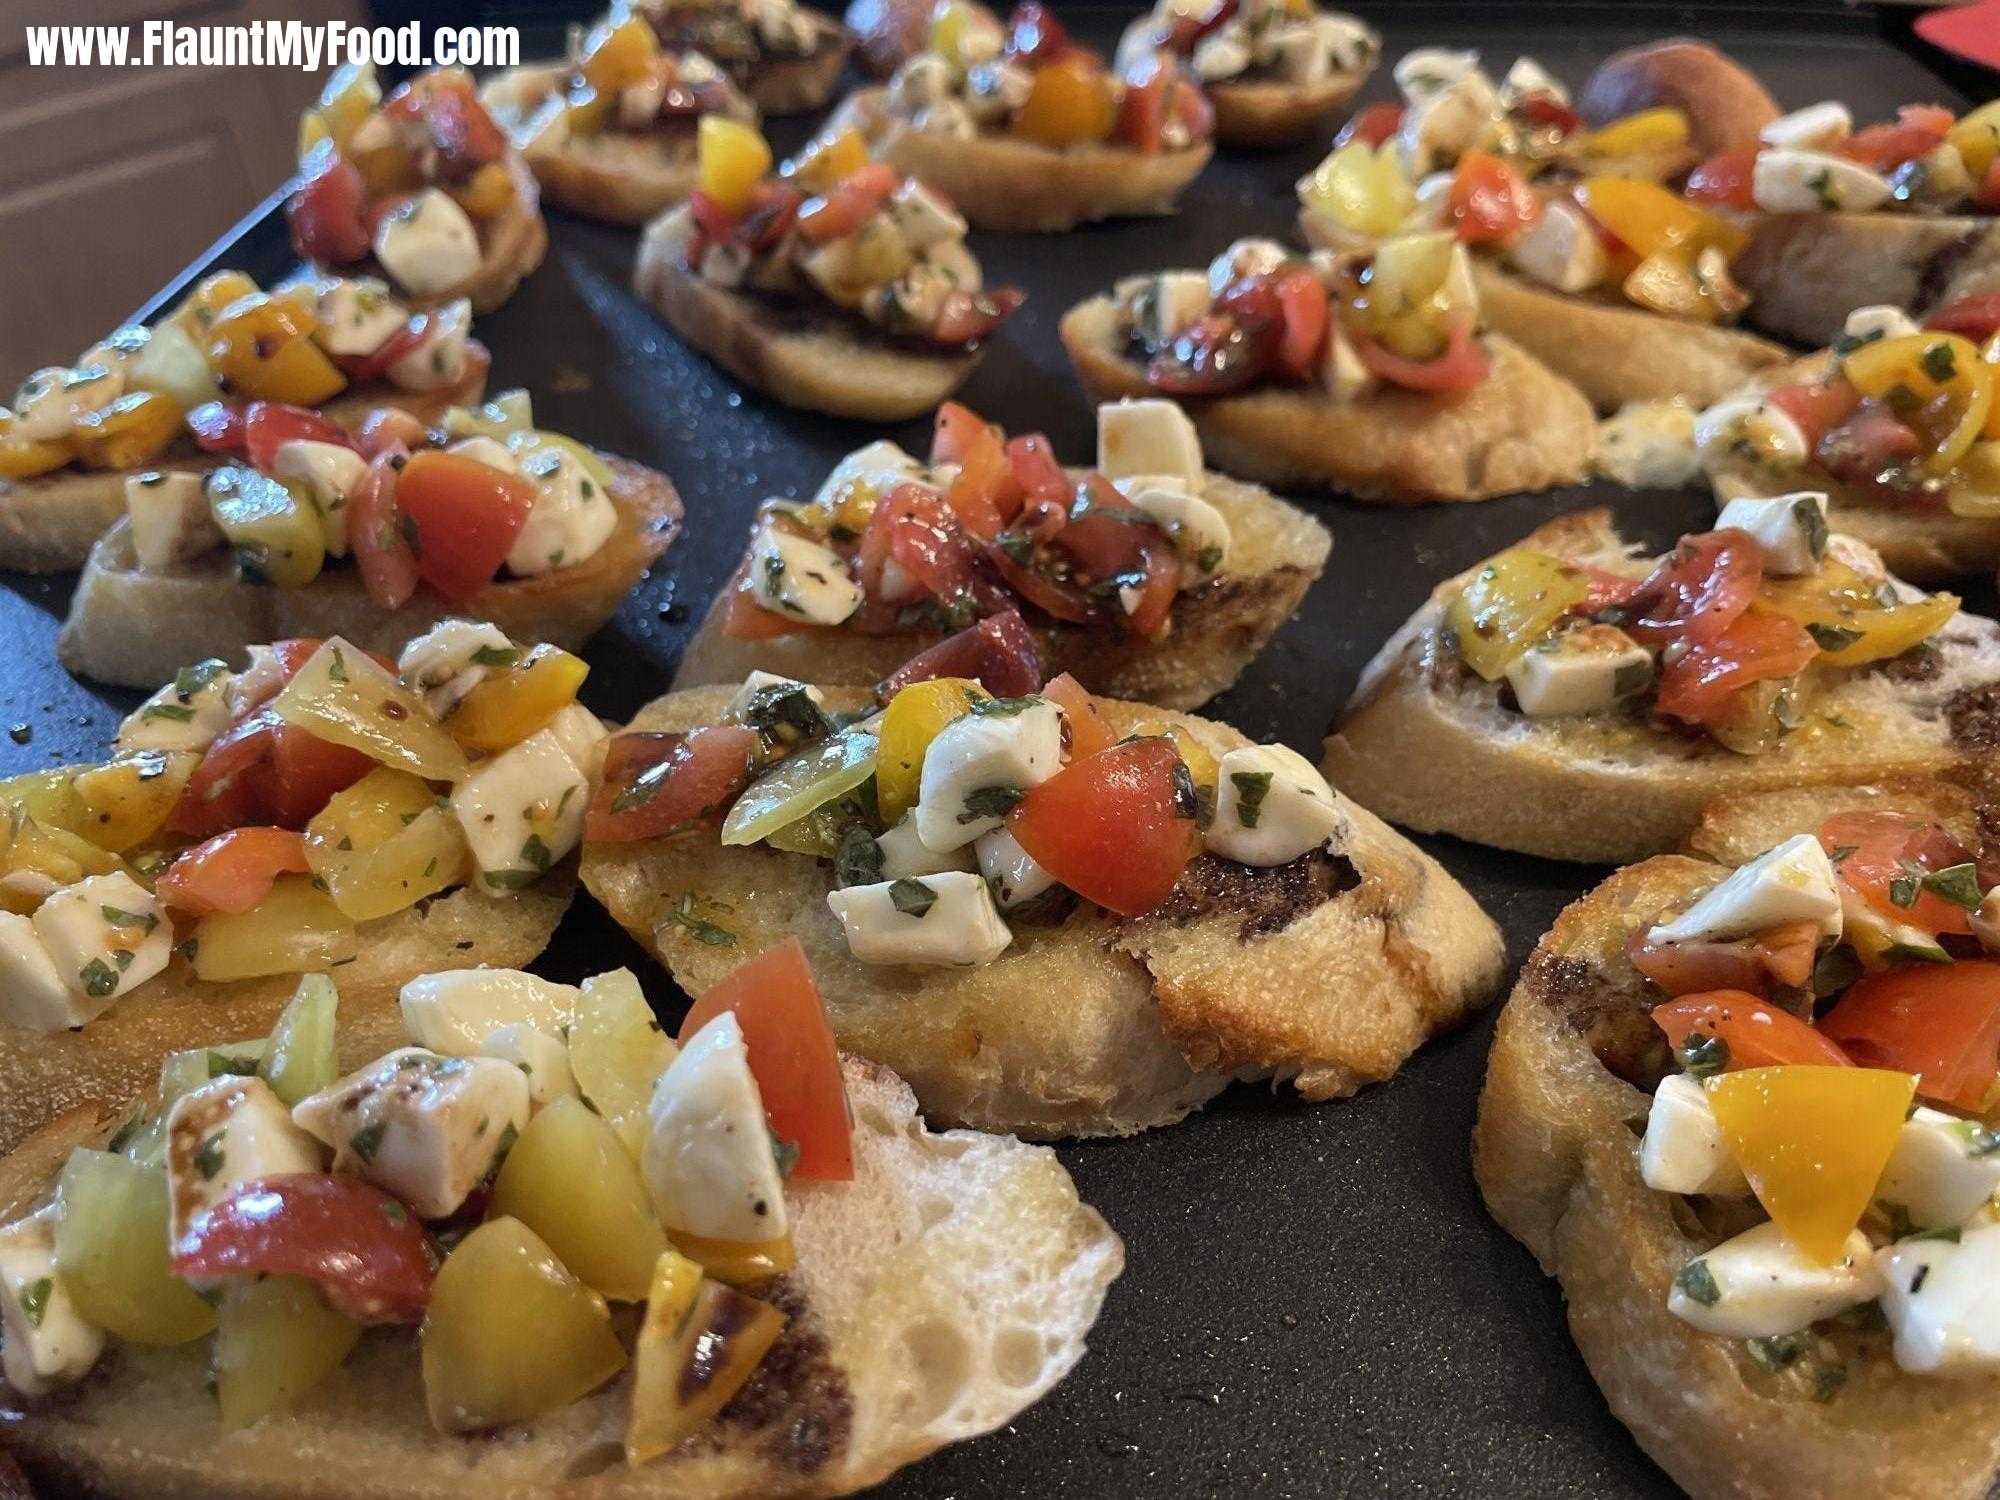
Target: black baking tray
{"x": 1315, "y": 1300}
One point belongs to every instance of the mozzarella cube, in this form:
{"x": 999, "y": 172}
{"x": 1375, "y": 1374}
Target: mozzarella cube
{"x": 1252, "y": 255}
{"x": 1789, "y": 181}
{"x": 925, "y": 217}
{"x": 1014, "y": 875}
{"x": 756, "y": 682}
{"x": 708, "y": 1157}
{"x": 522, "y": 811}
{"x": 1528, "y": 79}
{"x": 877, "y": 468}
{"x": 1792, "y": 883}
{"x": 33, "y": 994}
{"x": 437, "y": 360}
{"x": 1943, "y": 1170}
{"x": 1581, "y": 671}
{"x": 924, "y": 79}
{"x": 1350, "y": 44}
{"x": 1271, "y": 806}
{"x": 1758, "y": 1285}
{"x": 1440, "y": 128}
{"x": 1942, "y": 1299}
{"x": 358, "y": 315}
{"x": 794, "y": 576}
{"x": 1813, "y": 128}
{"x": 44, "y": 1341}
{"x": 1791, "y": 529}
{"x": 1648, "y": 445}
{"x": 428, "y": 245}
{"x": 543, "y": 1060}
{"x": 105, "y": 935}
{"x": 187, "y": 714}
{"x": 1147, "y": 437}
{"x": 1561, "y": 249}
{"x": 1880, "y": 321}
{"x": 946, "y": 919}
{"x": 1345, "y": 376}
{"x": 1684, "y": 1150}
{"x": 230, "y": 1130}
{"x": 1432, "y": 209}
{"x": 1169, "y": 304}
{"x": 1223, "y": 53}
{"x": 978, "y": 766}
{"x": 583, "y": 737}
{"x": 1424, "y": 71}
{"x": 486, "y": 450}
{"x": 1200, "y": 532}
{"x": 905, "y": 856}
{"x": 1296, "y": 51}
{"x": 451, "y": 659}
{"x": 330, "y": 472}
{"x": 171, "y": 521}
{"x": 454, "y": 1012}
{"x": 1747, "y": 430}
{"x": 572, "y": 516}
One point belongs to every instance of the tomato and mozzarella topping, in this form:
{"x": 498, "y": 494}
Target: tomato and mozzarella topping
{"x": 1253, "y": 41}
{"x": 415, "y": 180}
{"x": 839, "y": 231}
{"x": 257, "y": 1195}
{"x": 743, "y": 35}
{"x": 622, "y": 79}
{"x": 1733, "y": 633}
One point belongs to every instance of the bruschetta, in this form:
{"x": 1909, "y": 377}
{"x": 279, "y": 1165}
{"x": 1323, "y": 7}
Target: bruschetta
{"x": 610, "y": 134}
{"x": 1146, "y": 577}
{"x": 1363, "y": 371}
{"x": 737, "y": 1266}
{"x": 786, "y": 58}
{"x": 837, "y": 285}
{"x": 149, "y": 400}
{"x": 318, "y": 808}
{"x": 888, "y": 33}
{"x": 1027, "y": 131}
{"x": 1567, "y": 699}
{"x": 302, "y": 528}
{"x": 1723, "y": 103}
{"x": 1785, "y": 1280}
{"x": 422, "y": 190}
{"x": 1052, "y": 914}
{"x": 1275, "y": 71}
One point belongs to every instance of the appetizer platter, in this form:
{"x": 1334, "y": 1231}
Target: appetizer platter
{"x": 1283, "y": 1260}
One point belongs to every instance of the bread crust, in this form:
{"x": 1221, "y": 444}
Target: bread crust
{"x": 1216, "y": 630}
{"x": 1554, "y": 1153}
{"x": 943, "y": 1291}
{"x": 799, "y": 85}
{"x": 1522, "y": 429}
{"x": 1806, "y": 272}
{"x": 136, "y": 628}
{"x": 1426, "y": 745}
{"x": 1268, "y": 113}
{"x": 817, "y": 362}
{"x": 48, "y": 523}
{"x": 1328, "y": 972}
{"x": 1724, "y": 103}
{"x": 618, "y": 177}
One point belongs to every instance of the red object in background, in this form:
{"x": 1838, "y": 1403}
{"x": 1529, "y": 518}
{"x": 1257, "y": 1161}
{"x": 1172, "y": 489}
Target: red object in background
{"x": 1968, "y": 31}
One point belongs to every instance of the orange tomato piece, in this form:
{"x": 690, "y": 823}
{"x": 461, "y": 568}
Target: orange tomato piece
{"x": 233, "y": 871}
{"x": 1938, "y": 1021}
{"x": 1757, "y": 1034}
{"x": 1114, "y": 827}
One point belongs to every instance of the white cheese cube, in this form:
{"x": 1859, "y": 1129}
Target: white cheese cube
{"x": 1759, "y": 1286}
{"x": 924, "y": 79}
{"x": 543, "y": 1060}
{"x": 946, "y": 919}
{"x": 1345, "y": 376}
{"x": 106, "y": 936}
{"x": 1350, "y": 44}
{"x": 455, "y": 1011}
{"x": 428, "y": 245}
{"x": 1684, "y": 1150}
{"x": 1648, "y": 445}
{"x": 708, "y": 1157}
{"x": 1424, "y": 71}
{"x": 1169, "y": 304}
{"x": 797, "y": 577}
{"x": 1199, "y": 532}
{"x": 357, "y": 315}
{"x": 522, "y": 811}
{"x": 451, "y": 659}
{"x": 1560, "y": 249}
{"x": 572, "y": 516}
{"x": 1432, "y": 209}
{"x": 187, "y": 714}
{"x": 1942, "y": 1299}
{"x": 44, "y": 1341}
{"x": 925, "y": 217}
{"x": 1014, "y": 875}
{"x": 1943, "y": 1170}
{"x": 1222, "y": 54}
{"x": 1271, "y": 806}
{"x": 437, "y": 360}
{"x": 756, "y": 682}
{"x": 877, "y": 468}
{"x": 1880, "y": 321}
{"x": 583, "y": 737}
{"x": 1528, "y": 79}
{"x": 1816, "y": 127}
{"x": 1440, "y": 128}
{"x": 490, "y": 451}
{"x": 1748, "y": 430}
{"x": 171, "y": 521}
{"x": 1791, "y": 529}
{"x": 978, "y": 766}
{"x": 1147, "y": 437}
{"x": 260, "y": 680}
{"x": 1296, "y": 52}
{"x": 231, "y": 1130}
{"x": 1580, "y": 671}
{"x": 330, "y": 472}
{"x": 33, "y": 995}
{"x": 905, "y": 856}
{"x": 1792, "y": 883}
{"x": 1788, "y": 181}
{"x": 1252, "y": 255}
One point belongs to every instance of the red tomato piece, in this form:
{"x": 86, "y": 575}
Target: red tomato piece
{"x": 984, "y": 495}
{"x": 1303, "y": 314}
{"x": 1976, "y": 317}
{"x": 914, "y": 528}
{"x": 216, "y": 428}
{"x": 368, "y": 369}
{"x": 1035, "y": 35}
{"x": 1757, "y": 647}
{"x": 1219, "y": 354}
{"x": 964, "y": 318}
{"x": 304, "y": 773}
{"x": 1987, "y": 196}
{"x": 1816, "y": 408}
{"x": 1142, "y": 113}
{"x": 711, "y": 218}
{"x": 269, "y": 425}
{"x": 1606, "y": 589}
{"x": 325, "y": 211}
{"x": 1489, "y": 200}
{"x": 1757, "y": 1035}
{"x": 792, "y": 1056}
{"x": 360, "y": 1246}
{"x": 376, "y": 528}
{"x": 1725, "y": 179}
{"x": 657, "y": 784}
{"x": 1939, "y": 1021}
{"x": 1053, "y": 597}
{"x": 232, "y": 871}
{"x": 1549, "y": 113}
{"x": 999, "y": 653}
{"x": 1191, "y": 107}
{"x": 1088, "y": 733}
{"x": 1919, "y": 130}
{"x": 1880, "y": 849}
{"x": 1785, "y": 955}
{"x": 227, "y": 788}
{"x": 1375, "y": 124}
{"x": 1699, "y": 589}
{"x": 744, "y": 619}
{"x": 1870, "y": 442}
{"x": 466, "y": 515}
{"x": 849, "y": 204}
{"x": 460, "y": 130}
{"x": 388, "y": 429}
{"x": 1037, "y": 470}
{"x": 1463, "y": 365}
{"x": 1116, "y": 827}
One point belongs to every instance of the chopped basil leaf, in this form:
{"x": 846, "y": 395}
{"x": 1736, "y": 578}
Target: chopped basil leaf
{"x": 496, "y": 656}
{"x": 337, "y": 672}
{"x": 701, "y": 931}
{"x": 1252, "y": 787}
{"x": 1697, "y": 1283}
{"x": 1939, "y": 362}
{"x": 221, "y": 1064}
{"x": 1903, "y": 890}
{"x": 536, "y": 853}
{"x": 912, "y": 897}
{"x": 35, "y": 1300}
{"x": 785, "y": 712}
{"x": 99, "y": 978}
{"x": 990, "y": 802}
{"x": 179, "y": 713}
{"x": 208, "y": 1158}
{"x": 366, "y": 1141}
{"x": 1812, "y": 521}
{"x": 1779, "y": 1353}
{"x": 1702, "y": 1055}
{"x": 1002, "y": 708}
{"x": 859, "y": 861}
{"x": 1836, "y": 970}
{"x": 119, "y": 918}
{"x": 1831, "y": 637}
{"x": 1958, "y": 884}
{"x": 1948, "y": 1235}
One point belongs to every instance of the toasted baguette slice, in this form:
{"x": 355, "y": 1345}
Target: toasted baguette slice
{"x": 47, "y": 524}
{"x": 1327, "y": 972}
{"x": 946, "y": 1289}
{"x": 1555, "y": 1155}
{"x": 617, "y": 176}
{"x": 1806, "y": 272}
{"x": 1217, "y": 628}
{"x": 1617, "y": 353}
{"x": 1018, "y": 187}
{"x": 118, "y": 1056}
{"x": 1521, "y": 429}
{"x": 1426, "y": 743}
{"x": 1724, "y": 103}
{"x": 135, "y": 627}
{"x": 826, "y": 362}
{"x": 798, "y": 85}
{"x": 511, "y": 245}
{"x": 1268, "y": 113}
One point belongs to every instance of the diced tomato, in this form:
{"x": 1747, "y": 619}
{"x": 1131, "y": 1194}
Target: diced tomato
{"x": 1699, "y": 683}
{"x": 1919, "y": 130}
{"x": 466, "y": 516}
{"x": 1758, "y": 1035}
{"x": 792, "y": 1056}
{"x": 1870, "y": 443}
{"x": 1489, "y": 200}
{"x": 1035, "y": 35}
{"x": 710, "y": 217}
{"x": 964, "y": 318}
{"x": 232, "y": 871}
{"x": 325, "y": 211}
{"x": 1219, "y": 354}
{"x": 999, "y": 653}
{"x": 1117, "y": 827}
{"x": 1605, "y": 589}
{"x": 1939, "y": 1021}
{"x": 1726, "y": 179}
{"x": 1375, "y": 124}
{"x": 1088, "y": 733}
{"x": 362, "y": 1247}
{"x": 1191, "y": 109}
{"x": 914, "y": 528}
{"x": 1816, "y": 408}
{"x": 367, "y": 369}
{"x": 269, "y": 425}
{"x": 460, "y": 130}
{"x": 387, "y": 429}
{"x": 850, "y": 203}
{"x": 984, "y": 495}
{"x": 375, "y": 529}
{"x": 216, "y": 428}
{"x": 656, "y": 784}
{"x": 1304, "y": 313}
{"x": 1698, "y": 590}
{"x": 1053, "y": 597}
{"x": 305, "y": 772}
{"x": 1463, "y": 365}
{"x": 1884, "y": 855}
{"x": 1036, "y": 468}
{"x": 1976, "y": 317}
{"x": 1548, "y": 112}
{"x": 1112, "y": 541}
{"x": 773, "y": 211}
{"x": 226, "y": 789}
{"x": 1142, "y": 113}
{"x": 1783, "y": 956}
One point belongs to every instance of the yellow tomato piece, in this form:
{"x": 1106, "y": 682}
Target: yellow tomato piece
{"x": 1651, "y": 221}
{"x": 1990, "y": 357}
{"x": 262, "y": 348}
{"x": 275, "y": 1341}
{"x": 24, "y": 458}
{"x": 1361, "y": 188}
{"x": 1847, "y": 617}
{"x": 344, "y": 695}
{"x": 197, "y": 314}
{"x": 619, "y": 53}
{"x": 825, "y": 162}
{"x": 131, "y": 430}
{"x": 618, "y": 1051}
{"x": 1513, "y": 600}
{"x": 688, "y": 1367}
{"x": 1977, "y": 138}
{"x": 1813, "y": 1141}
{"x": 487, "y": 192}
{"x": 56, "y": 853}
{"x": 737, "y": 1262}
{"x": 1071, "y": 102}
{"x": 385, "y": 844}
{"x": 274, "y": 526}
{"x": 1650, "y": 130}
{"x": 350, "y": 96}
{"x": 515, "y": 702}
{"x": 128, "y": 800}
{"x": 570, "y": 1179}
{"x": 47, "y": 796}
{"x": 1936, "y": 381}
{"x": 655, "y": 1401}
{"x": 733, "y": 158}
{"x": 111, "y": 1251}
{"x": 1976, "y": 489}
{"x": 524, "y": 443}
{"x": 385, "y": 169}
{"x": 295, "y": 930}
{"x": 914, "y": 718}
